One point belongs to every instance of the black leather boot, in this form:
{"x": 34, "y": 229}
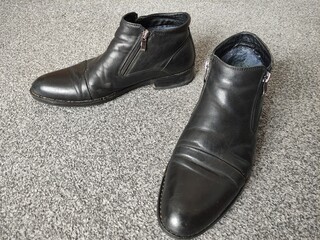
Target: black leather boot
{"x": 213, "y": 157}
{"x": 155, "y": 49}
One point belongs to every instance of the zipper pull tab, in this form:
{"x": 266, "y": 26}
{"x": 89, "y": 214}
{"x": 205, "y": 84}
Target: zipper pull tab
{"x": 144, "y": 39}
{"x": 206, "y": 67}
{"x": 265, "y": 83}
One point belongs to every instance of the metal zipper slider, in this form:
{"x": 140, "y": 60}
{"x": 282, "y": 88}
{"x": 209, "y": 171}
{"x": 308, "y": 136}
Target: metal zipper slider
{"x": 144, "y": 39}
{"x": 265, "y": 82}
{"x": 206, "y": 66}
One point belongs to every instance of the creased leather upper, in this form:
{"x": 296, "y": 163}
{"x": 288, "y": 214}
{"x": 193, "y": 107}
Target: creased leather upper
{"x": 221, "y": 123}
{"x": 213, "y": 157}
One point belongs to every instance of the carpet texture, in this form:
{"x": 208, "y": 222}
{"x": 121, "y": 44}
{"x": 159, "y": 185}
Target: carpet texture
{"x": 95, "y": 172}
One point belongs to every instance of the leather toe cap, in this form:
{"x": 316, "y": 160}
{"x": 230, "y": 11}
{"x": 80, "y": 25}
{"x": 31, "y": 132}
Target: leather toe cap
{"x": 192, "y": 198}
{"x": 62, "y": 85}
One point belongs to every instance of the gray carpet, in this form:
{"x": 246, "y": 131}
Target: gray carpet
{"x": 95, "y": 172}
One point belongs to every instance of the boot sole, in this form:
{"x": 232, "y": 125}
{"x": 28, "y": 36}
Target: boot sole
{"x": 173, "y": 81}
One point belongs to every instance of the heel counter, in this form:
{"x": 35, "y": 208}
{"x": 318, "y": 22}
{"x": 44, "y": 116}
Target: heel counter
{"x": 183, "y": 58}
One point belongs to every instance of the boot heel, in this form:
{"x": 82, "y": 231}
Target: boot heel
{"x": 177, "y": 80}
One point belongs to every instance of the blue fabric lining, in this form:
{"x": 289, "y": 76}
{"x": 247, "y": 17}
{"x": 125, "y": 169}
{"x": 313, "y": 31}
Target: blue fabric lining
{"x": 242, "y": 56}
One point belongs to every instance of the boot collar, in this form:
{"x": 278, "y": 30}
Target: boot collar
{"x": 249, "y": 39}
{"x": 159, "y": 22}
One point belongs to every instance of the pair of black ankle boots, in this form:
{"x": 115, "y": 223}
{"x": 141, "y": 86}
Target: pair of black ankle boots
{"x": 213, "y": 157}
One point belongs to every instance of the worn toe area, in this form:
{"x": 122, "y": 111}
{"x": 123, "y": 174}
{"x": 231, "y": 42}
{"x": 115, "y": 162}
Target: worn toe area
{"x": 65, "y": 85}
{"x": 193, "y": 197}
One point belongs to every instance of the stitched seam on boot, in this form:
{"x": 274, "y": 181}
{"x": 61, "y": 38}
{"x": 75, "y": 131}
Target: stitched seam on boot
{"x": 175, "y": 53}
{"x": 208, "y": 225}
{"x": 85, "y": 80}
{"x": 214, "y": 171}
{"x": 200, "y": 150}
{"x": 254, "y": 107}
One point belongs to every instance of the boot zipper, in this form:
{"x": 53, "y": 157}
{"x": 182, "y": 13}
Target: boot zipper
{"x": 265, "y": 82}
{"x": 206, "y": 67}
{"x": 144, "y": 39}
{"x": 142, "y": 46}
{"x": 257, "y": 101}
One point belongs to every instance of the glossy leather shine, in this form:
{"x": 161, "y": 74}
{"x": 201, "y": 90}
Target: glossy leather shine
{"x": 167, "y": 60}
{"x": 213, "y": 157}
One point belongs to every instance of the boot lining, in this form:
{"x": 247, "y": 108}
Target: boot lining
{"x": 242, "y": 56}
{"x": 244, "y": 50}
{"x": 162, "y": 22}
